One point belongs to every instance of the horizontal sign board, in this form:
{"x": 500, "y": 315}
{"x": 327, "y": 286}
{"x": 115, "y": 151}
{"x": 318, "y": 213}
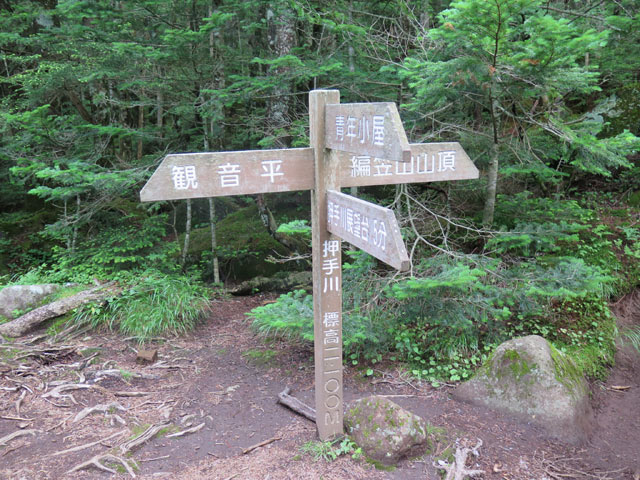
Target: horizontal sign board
{"x": 367, "y": 226}
{"x": 372, "y": 129}
{"x": 198, "y": 175}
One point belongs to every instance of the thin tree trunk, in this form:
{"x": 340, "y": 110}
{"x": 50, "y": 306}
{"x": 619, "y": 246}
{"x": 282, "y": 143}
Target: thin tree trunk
{"x": 187, "y": 235}
{"x": 160, "y": 112}
{"x": 140, "y": 127}
{"x": 492, "y": 184}
{"x": 75, "y": 225}
{"x": 66, "y": 221}
{"x": 214, "y": 242}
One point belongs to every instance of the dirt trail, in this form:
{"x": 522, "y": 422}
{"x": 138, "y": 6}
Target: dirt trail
{"x": 224, "y": 377}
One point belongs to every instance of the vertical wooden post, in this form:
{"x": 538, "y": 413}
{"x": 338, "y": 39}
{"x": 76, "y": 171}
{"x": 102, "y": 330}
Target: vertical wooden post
{"x": 327, "y": 276}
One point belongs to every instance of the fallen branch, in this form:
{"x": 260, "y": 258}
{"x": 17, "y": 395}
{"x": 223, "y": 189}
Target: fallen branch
{"x": 102, "y": 408}
{"x": 296, "y": 405}
{"x": 261, "y": 444}
{"x": 131, "y": 394}
{"x": 23, "y": 324}
{"x": 19, "y": 433}
{"x": 188, "y": 430}
{"x": 458, "y": 469}
{"x": 95, "y": 461}
{"x": 19, "y": 419}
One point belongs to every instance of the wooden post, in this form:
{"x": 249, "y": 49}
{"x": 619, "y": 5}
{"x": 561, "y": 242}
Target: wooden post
{"x": 327, "y": 276}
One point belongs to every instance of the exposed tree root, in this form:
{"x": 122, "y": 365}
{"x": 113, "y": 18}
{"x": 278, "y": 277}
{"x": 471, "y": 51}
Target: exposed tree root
{"x": 102, "y": 408}
{"x": 188, "y": 430}
{"x": 458, "y": 469}
{"x": 88, "y": 445}
{"x": 20, "y": 433}
{"x": 95, "y": 462}
{"x": 58, "y": 392}
{"x": 144, "y": 437}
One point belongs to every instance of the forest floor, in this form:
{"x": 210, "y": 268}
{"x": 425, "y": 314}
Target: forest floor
{"x": 222, "y": 382}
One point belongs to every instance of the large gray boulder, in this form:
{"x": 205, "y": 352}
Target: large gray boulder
{"x": 528, "y": 378}
{"x": 23, "y": 297}
{"x": 385, "y": 431}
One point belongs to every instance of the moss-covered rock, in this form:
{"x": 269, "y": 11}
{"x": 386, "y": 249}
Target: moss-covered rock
{"x": 384, "y": 430}
{"x": 527, "y": 377}
{"x": 244, "y": 244}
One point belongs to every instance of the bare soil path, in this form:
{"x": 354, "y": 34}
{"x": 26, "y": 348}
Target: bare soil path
{"x": 219, "y": 386}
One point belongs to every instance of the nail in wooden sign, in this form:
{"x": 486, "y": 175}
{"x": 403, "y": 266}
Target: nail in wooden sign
{"x": 373, "y": 129}
{"x": 367, "y": 226}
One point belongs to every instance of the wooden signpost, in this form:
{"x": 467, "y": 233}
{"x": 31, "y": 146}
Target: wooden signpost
{"x": 350, "y": 145}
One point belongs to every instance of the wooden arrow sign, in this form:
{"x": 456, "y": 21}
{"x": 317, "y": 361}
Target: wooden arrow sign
{"x": 199, "y": 175}
{"x": 373, "y": 129}
{"x": 367, "y": 226}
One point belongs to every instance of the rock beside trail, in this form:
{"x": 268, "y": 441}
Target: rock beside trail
{"x": 385, "y": 431}
{"x": 528, "y": 378}
{"x": 23, "y": 297}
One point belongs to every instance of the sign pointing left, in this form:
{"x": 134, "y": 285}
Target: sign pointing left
{"x": 198, "y": 175}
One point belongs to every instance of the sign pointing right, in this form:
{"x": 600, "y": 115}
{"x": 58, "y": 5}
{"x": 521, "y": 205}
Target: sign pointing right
{"x": 367, "y": 226}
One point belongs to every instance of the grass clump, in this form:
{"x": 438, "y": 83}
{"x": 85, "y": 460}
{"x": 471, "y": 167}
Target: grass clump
{"x": 332, "y": 449}
{"x": 150, "y": 305}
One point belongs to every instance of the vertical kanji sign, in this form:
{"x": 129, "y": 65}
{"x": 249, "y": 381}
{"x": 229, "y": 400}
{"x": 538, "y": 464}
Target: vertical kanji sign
{"x": 351, "y": 145}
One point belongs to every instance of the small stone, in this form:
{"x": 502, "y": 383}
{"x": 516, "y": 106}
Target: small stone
{"x": 147, "y": 356}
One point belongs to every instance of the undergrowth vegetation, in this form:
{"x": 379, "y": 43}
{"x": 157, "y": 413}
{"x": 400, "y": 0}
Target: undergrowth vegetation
{"x": 155, "y": 296}
{"x": 549, "y": 269}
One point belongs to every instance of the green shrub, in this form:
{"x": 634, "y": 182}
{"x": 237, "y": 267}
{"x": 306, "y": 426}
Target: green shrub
{"x": 151, "y": 304}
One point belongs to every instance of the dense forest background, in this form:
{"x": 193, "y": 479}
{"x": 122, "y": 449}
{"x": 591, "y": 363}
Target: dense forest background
{"x": 543, "y": 95}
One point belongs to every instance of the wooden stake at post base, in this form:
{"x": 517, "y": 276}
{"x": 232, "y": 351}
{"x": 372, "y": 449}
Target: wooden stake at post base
{"x": 327, "y": 276}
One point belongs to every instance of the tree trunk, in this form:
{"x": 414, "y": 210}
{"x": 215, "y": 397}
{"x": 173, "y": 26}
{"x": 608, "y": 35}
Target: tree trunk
{"x": 140, "y": 127}
{"x": 282, "y": 38}
{"x": 187, "y": 235}
{"x": 214, "y": 242}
